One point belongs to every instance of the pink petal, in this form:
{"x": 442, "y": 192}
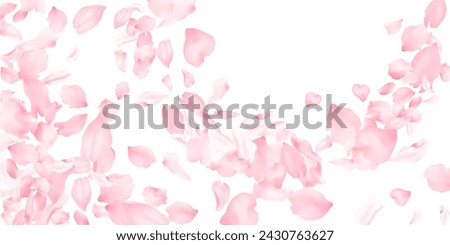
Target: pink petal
{"x": 221, "y": 194}
{"x": 23, "y": 153}
{"x": 73, "y": 96}
{"x": 444, "y": 215}
{"x": 73, "y": 126}
{"x": 87, "y": 18}
{"x": 411, "y": 153}
{"x": 172, "y": 162}
{"x": 20, "y": 15}
{"x": 161, "y": 8}
{"x": 435, "y": 13}
{"x": 122, "y": 89}
{"x": 267, "y": 191}
{"x": 8, "y": 30}
{"x": 241, "y": 211}
{"x": 168, "y": 82}
{"x": 414, "y": 37}
{"x": 80, "y": 218}
{"x": 393, "y": 27}
{"x": 361, "y": 91}
{"x": 402, "y": 95}
{"x": 151, "y": 98}
{"x": 312, "y": 98}
{"x": 154, "y": 196}
{"x": 181, "y": 213}
{"x": 374, "y": 146}
{"x": 6, "y": 8}
{"x": 11, "y": 168}
{"x": 181, "y": 10}
{"x": 9, "y": 75}
{"x": 55, "y": 77}
{"x": 38, "y": 5}
{"x": 220, "y": 87}
{"x": 122, "y": 17}
{"x": 197, "y": 46}
{"x": 309, "y": 204}
{"x": 15, "y": 119}
{"x": 293, "y": 161}
{"x": 145, "y": 23}
{"x": 367, "y": 213}
{"x": 81, "y": 192}
{"x": 427, "y": 63}
{"x": 46, "y": 134}
{"x": 165, "y": 52}
{"x": 398, "y": 69}
{"x": 120, "y": 189}
{"x": 438, "y": 178}
{"x": 445, "y": 72}
{"x": 135, "y": 214}
{"x": 387, "y": 88}
{"x": 351, "y": 120}
{"x": 141, "y": 156}
{"x": 188, "y": 78}
{"x": 324, "y": 144}
{"x": 57, "y": 20}
{"x": 400, "y": 196}
{"x": 121, "y": 60}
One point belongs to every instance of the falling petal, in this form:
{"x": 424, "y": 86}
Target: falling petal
{"x": 181, "y": 213}
{"x": 172, "y": 162}
{"x": 120, "y": 190}
{"x": 414, "y": 37}
{"x": 361, "y": 91}
{"x": 57, "y": 20}
{"x": 398, "y": 69}
{"x": 154, "y": 196}
{"x": 80, "y": 218}
{"x": 145, "y": 23}
{"x": 241, "y": 211}
{"x": 220, "y": 87}
{"x": 161, "y": 8}
{"x": 188, "y": 78}
{"x": 151, "y": 98}
{"x": 427, "y": 63}
{"x": 46, "y": 134}
{"x": 6, "y": 8}
{"x": 293, "y": 161}
{"x": 9, "y": 75}
{"x": 400, "y": 196}
{"x": 181, "y": 10}
{"x": 73, "y": 96}
{"x": 444, "y": 213}
{"x": 121, "y": 60}
{"x": 165, "y": 52}
{"x": 393, "y": 27}
{"x": 309, "y": 204}
{"x": 8, "y": 30}
{"x": 438, "y": 177}
{"x": 135, "y": 214}
{"x": 197, "y": 46}
{"x": 221, "y": 194}
{"x": 168, "y": 82}
{"x": 122, "y": 17}
{"x": 73, "y": 126}
{"x": 367, "y": 213}
{"x": 122, "y": 89}
{"x": 411, "y": 153}
{"x": 387, "y": 88}
{"x": 435, "y": 13}
{"x": 141, "y": 156}
{"x": 23, "y": 153}
{"x": 87, "y": 18}
{"x": 81, "y": 192}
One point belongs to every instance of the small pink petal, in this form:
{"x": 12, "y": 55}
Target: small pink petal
{"x": 122, "y": 17}
{"x": 80, "y": 218}
{"x": 23, "y": 153}
{"x": 151, "y": 98}
{"x": 140, "y": 156}
{"x": 220, "y": 87}
{"x": 145, "y": 23}
{"x": 221, "y": 194}
{"x": 161, "y": 8}
{"x": 168, "y": 82}
{"x": 398, "y": 69}
{"x": 188, "y": 78}
{"x": 154, "y": 196}
{"x": 20, "y": 15}
{"x": 11, "y": 168}
{"x": 324, "y": 144}
{"x": 309, "y": 204}
{"x": 411, "y": 153}
{"x": 445, "y": 72}
{"x": 8, "y": 30}
{"x": 172, "y": 162}
{"x": 414, "y": 37}
{"x": 402, "y": 95}
{"x": 361, "y": 91}
{"x": 241, "y": 211}
{"x": 165, "y": 52}
{"x": 444, "y": 213}
{"x": 435, "y": 13}
{"x": 181, "y": 213}
{"x": 367, "y": 213}
{"x": 293, "y": 161}
{"x": 400, "y": 196}
{"x": 55, "y": 77}
{"x": 73, "y": 126}
{"x": 393, "y": 27}
{"x": 312, "y": 98}
{"x": 6, "y": 8}
{"x": 9, "y": 75}
{"x": 387, "y": 88}
{"x": 427, "y": 63}
{"x": 122, "y": 89}
{"x": 46, "y": 134}
{"x": 197, "y": 46}
{"x": 38, "y": 5}
{"x": 57, "y": 20}
{"x": 267, "y": 191}
{"x": 87, "y": 18}
{"x": 438, "y": 177}
{"x": 135, "y": 214}
{"x": 73, "y": 96}
{"x": 81, "y": 192}
{"x": 120, "y": 189}
{"x": 121, "y": 60}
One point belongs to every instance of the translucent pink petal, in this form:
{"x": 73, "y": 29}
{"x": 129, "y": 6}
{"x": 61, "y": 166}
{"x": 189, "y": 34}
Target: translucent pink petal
{"x": 55, "y": 77}
{"x": 122, "y": 17}
{"x": 73, "y": 96}
{"x": 80, "y": 218}
{"x": 241, "y": 211}
{"x": 120, "y": 189}
{"x": 151, "y": 98}
{"x": 135, "y": 214}
{"x": 81, "y": 192}
{"x": 414, "y": 37}
{"x": 445, "y": 72}
{"x": 8, "y": 30}
{"x": 427, "y": 63}
{"x": 398, "y": 69}
{"x": 367, "y": 213}
{"x": 267, "y": 191}
{"x": 361, "y": 91}
{"x": 402, "y": 95}
{"x": 221, "y": 194}
{"x": 154, "y": 196}
{"x": 181, "y": 10}
{"x": 20, "y": 15}
{"x": 293, "y": 161}
{"x": 9, "y": 75}
{"x": 15, "y": 119}
{"x": 38, "y": 5}
{"x": 73, "y": 126}
{"x": 351, "y": 120}
{"x": 444, "y": 213}
{"x": 23, "y": 153}
{"x": 438, "y": 177}
{"x": 324, "y": 144}
{"x": 121, "y": 60}
{"x": 435, "y": 13}
{"x": 143, "y": 58}
{"x": 400, "y": 196}
{"x": 220, "y": 87}
{"x": 379, "y": 110}
{"x": 172, "y": 162}
{"x": 141, "y": 156}
{"x": 412, "y": 153}
{"x": 167, "y": 82}
{"x": 387, "y": 88}
{"x": 11, "y": 168}
{"x": 165, "y": 52}
{"x": 188, "y": 78}
{"x": 181, "y": 213}
{"x": 374, "y": 145}
{"x": 46, "y": 134}
{"x": 57, "y": 20}
{"x": 122, "y": 89}
{"x": 87, "y": 18}
{"x": 145, "y": 23}
{"x": 99, "y": 211}
{"x": 6, "y": 8}
{"x": 161, "y": 8}
{"x": 312, "y": 98}
{"x": 393, "y": 27}
{"x": 309, "y": 204}
{"x": 197, "y": 46}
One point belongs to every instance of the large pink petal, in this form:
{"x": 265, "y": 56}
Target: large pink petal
{"x": 414, "y": 37}
{"x": 427, "y": 63}
{"x": 374, "y": 146}
{"x": 81, "y": 192}
{"x": 438, "y": 177}
{"x": 72, "y": 126}
{"x": 172, "y": 162}
{"x": 181, "y": 213}
{"x": 87, "y": 18}
{"x": 435, "y": 13}
{"x": 135, "y": 214}
{"x": 165, "y": 52}
{"x": 351, "y": 120}
{"x": 141, "y": 156}
{"x": 221, "y": 194}
{"x": 241, "y": 211}
{"x": 57, "y": 20}
{"x": 197, "y": 46}
{"x": 309, "y": 204}
{"x": 73, "y": 96}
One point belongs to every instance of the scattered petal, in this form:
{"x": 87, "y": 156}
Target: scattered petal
{"x": 221, "y": 194}
{"x": 172, "y": 162}
{"x": 165, "y": 52}
{"x": 87, "y": 18}
{"x": 400, "y": 196}
{"x": 438, "y": 177}
{"x": 135, "y": 214}
{"x": 73, "y": 96}
{"x": 57, "y": 20}
{"x": 393, "y": 27}
{"x": 81, "y": 192}
{"x": 122, "y": 17}
{"x": 361, "y": 91}
{"x": 241, "y": 211}
{"x": 197, "y": 46}
{"x": 309, "y": 204}
{"x": 140, "y": 156}
{"x": 181, "y": 213}
{"x": 435, "y": 13}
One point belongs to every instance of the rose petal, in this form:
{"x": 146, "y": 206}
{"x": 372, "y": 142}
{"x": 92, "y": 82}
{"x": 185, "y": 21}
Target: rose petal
{"x": 181, "y": 213}
{"x": 87, "y": 18}
{"x": 141, "y": 156}
{"x": 241, "y": 211}
{"x": 197, "y": 46}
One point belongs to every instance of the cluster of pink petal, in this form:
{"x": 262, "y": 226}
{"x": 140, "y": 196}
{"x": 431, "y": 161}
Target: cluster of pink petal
{"x": 36, "y": 188}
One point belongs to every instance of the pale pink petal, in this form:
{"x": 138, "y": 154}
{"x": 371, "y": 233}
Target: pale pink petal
{"x": 324, "y": 144}
{"x": 444, "y": 213}
{"x": 55, "y": 77}
{"x": 402, "y": 95}
{"x": 374, "y": 146}
{"x": 197, "y": 46}
{"x": 145, "y": 39}
{"x": 398, "y": 69}
{"x": 414, "y": 37}
{"x": 361, "y": 91}
{"x": 172, "y": 162}
{"x": 154, "y": 196}
{"x": 87, "y": 18}
{"x": 122, "y": 17}
{"x": 379, "y": 110}
{"x": 15, "y": 119}
{"x": 445, "y": 72}
{"x": 161, "y": 8}
{"x": 165, "y": 52}
{"x": 57, "y": 20}
{"x": 6, "y": 8}
{"x": 188, "y": 78}
{"x": 438, "y": 177}
{"x": 181, "y": 10}
{"x": 312, "y": 98}
{"x": 221, "y": 194}
{"x": 121, "y": 60}
{"x": 143, "y": 58}
{"x": 181, "y": 213}
{"x": 99, "y": 211}
{"x": 151, "y": 98}
{"x": 241, "y": 211}
{"x": 11, "y": 168}
{"x": 267, "y": 191}
{"x": 141, "y": 156}
{"x": 60, "y": 217}
{"x": 387, "y": 88}
{"x": 120, "y": 189}
{"x": 81, "y": 192}
{"x": 168, "y": 82}
{"x": 411, "y": 153}
{"x": 393, "y": 27}
{"x": 80, "y": 218}
{"x": 293, "y": 161}
{"x": 8, "y": 30}
{"x": 309, "y": 204}
{"x": 73, "y": 96}
{"x": 352, "y": 122}
{"x": 367, "y": 213}
{"x": 73, "y": 126}
{"x": 400, "y": 196}
{"x": 135, "y": 214}
{"x": 220, "y": 87}
{"x": 145, "y": 23}
{"x": 416, "y": 218}
{"x": 435, "y": 13}
{"x": 122, "y": 89}
{"x": 38, "y": 5}
{"x": 9, "y": 75}
{"x": 20, "y": 15}
{"x": 23, "y": 153}
{"x": 46, "y": 134}
{"x": 427, "y": 63}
